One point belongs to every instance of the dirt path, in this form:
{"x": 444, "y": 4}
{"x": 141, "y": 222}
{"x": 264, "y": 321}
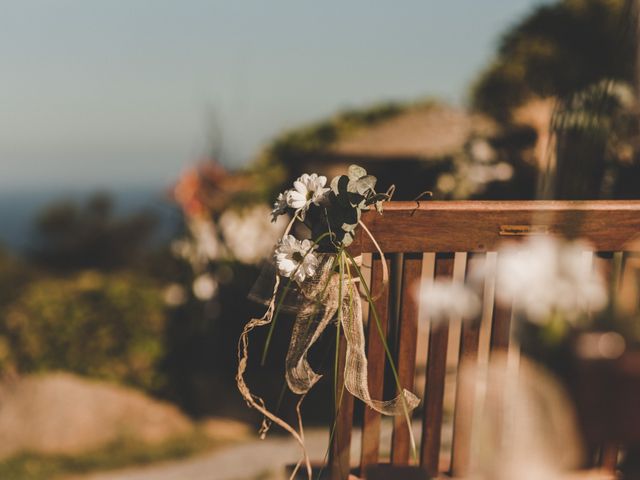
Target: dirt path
{"x": 254, "y": 460}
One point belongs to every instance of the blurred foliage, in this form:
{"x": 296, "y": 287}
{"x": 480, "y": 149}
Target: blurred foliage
{"x": 107, "y": 326}
{"x": 595, "y": 129}
{"x": 72, "y": 236}
{"x": 14, "y": 275}
{"x": 111, "y": 321}
{"x": 557, "y": 50}
{"x": 581, "y": 54}
{"x": 120, "y": 454}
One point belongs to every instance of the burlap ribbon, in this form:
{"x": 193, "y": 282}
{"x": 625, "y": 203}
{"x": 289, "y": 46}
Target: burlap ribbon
{"x": 327, "y": 295}
{"x": 322, "y": 301}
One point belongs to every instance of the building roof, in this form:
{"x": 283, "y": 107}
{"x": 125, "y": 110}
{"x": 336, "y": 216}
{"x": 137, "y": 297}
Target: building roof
{"x": 428, "y": 132}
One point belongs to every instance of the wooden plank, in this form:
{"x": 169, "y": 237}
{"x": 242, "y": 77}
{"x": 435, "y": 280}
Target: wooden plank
{"x": 499, "y": 340}
{"x": 376, "y": 361}
{"x": 407, "y": 344}
{"x": 479, "y": 226}
{"x": 434, "y": 387}
{"x": 605, "y": 262}
{"x": 609, "y": 456}
{"x": 501, "y": 320}
{"x": 339, "y": 454}
{"x": 465, "y": 391}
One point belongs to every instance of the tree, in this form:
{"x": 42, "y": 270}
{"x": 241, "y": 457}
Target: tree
{"x": 73, "y": 236}
{"x": 556, "y": 51}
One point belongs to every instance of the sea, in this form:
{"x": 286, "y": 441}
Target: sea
{"x": 20, "y": 209}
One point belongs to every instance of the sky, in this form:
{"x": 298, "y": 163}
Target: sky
{"x": 126, "y": 93}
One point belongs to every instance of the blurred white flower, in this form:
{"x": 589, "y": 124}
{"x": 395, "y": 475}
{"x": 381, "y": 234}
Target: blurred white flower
{"x": 295, "y": 259}
{"x": 249, "y": 234}
{"x": 202, "y": 246}
{"x": 183, "y": 248}
{"x": 205, "y": 287}
{"x": 481, "y": 174}
{"x": 204, "y": 231}
{"x": 546, "y": 276}
{"x": 443, "y": 300}
{"x": 446, "y": 183}
{"x": 502, "y": 172}
{"x": 279, "y": 206}
{"x": 174, "y": 295}
{"x": 481, "y": 151}
{"x": 306, "y": 190}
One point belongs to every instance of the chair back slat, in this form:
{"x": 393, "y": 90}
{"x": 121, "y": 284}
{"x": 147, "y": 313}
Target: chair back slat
{"x": 407, "y": 334}
{"x": 436, "y": 372}
{"x": 376, "y": 361}
{"x": 500, "y": 326}
{"x": 465, "y": 393}
{"x": 608, "y": 460}
{"x": 606, "y": 262}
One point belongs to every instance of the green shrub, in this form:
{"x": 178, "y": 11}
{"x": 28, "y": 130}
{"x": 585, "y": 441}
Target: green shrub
{"x": 103, "y": 326}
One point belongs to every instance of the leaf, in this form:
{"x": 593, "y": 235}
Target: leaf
{"x": 366, "y": 184}
{"x": 343, "y": 181}
{"x": 354, "y": 198}
{"x": 378, "y": 197}
{"x": 348, "y": 239}
{"x": 341, "y": 198}
{"x": 349, "y": 227}
{"x": 335, "y": 184}
{"x": 355, "y": 172}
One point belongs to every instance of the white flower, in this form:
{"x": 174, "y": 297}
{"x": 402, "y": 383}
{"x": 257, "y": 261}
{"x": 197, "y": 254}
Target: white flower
{"x": 202, "y": 246}
{"x": 279, "y": 206}
{"x": 174, "y": 295}
{"x": 544, "y": 276}
{"x": 249, "y": 235}
{"x": 481, "y": 151}
{"x": 205, "y": 287}
{"x": 306, "y": 190}
{"x": 443, "y": 300}
{"x": 206, "y": 237}
{"x": 295, "y": 259}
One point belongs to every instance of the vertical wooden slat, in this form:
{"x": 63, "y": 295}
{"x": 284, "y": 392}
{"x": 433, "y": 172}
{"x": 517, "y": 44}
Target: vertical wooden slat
{"x": 434, "y": 387}
{"x": 609, "y": 456}
{"x": 407, "y": 344}
{"x": 339, "y": 459}
{"x": 605, "y": 263}
{"x": 500, "y": 327}
{"x": 501, "y": 319}
{"x": 465, "y": 392}
{"x": 498, "y": 348}
{"x": 376, "y": 361}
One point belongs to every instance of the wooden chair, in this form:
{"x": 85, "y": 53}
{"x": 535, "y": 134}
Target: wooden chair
{"x": 408, "y": 232}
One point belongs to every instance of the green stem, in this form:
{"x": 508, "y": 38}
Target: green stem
{"x": 338, "y": 324}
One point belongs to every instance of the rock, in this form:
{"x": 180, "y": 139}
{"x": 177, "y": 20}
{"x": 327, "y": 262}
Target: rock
{"x": 61, "y": 413}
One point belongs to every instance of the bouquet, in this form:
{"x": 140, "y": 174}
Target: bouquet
{"x": 318, "y": 265}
